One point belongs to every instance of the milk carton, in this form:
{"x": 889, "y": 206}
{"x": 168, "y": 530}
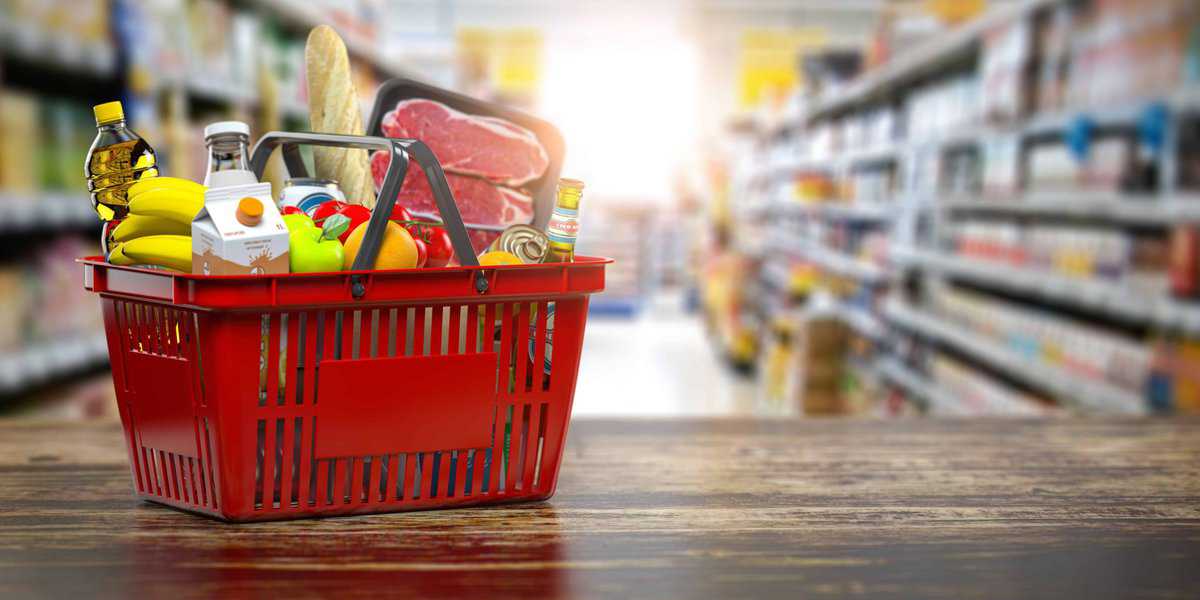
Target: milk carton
{"x": 239, "y": 232}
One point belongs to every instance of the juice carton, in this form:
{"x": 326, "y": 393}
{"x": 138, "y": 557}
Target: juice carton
{"x": 239, "y": 232}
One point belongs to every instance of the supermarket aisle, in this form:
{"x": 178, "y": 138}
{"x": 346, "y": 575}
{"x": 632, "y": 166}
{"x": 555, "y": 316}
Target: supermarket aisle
{"x": 656, "y": 365}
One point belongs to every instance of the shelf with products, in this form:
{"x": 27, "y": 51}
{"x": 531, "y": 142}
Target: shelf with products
{"x": 32, "y": 42}
{"x": 934, "y": 398}
{"x": 1109, "y": 298}
{"x": 1088, "y": 394}
{"x": 45, "y": 361}
{"x": 45, "y": 211}
{"x": 835, "y": 261}
{"x": 1124, "y": 209}
{"x": 306, "y": 15}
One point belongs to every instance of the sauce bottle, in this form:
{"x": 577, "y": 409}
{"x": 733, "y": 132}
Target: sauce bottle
{"x": 563, "y": 228}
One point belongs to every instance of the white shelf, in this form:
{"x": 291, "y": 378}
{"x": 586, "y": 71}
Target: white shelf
{"x": 1132, "y": 209}
{"x": 34, "y": 44}
{"x": 1091, "y": 395}
{"x": 21, "y": 211}
{"x": 912, "y": 64}
{"x": 1098, "y": 296}
{"x": 840, "y": 263}
{"x": 937, "y": 400}
{"x": 861, "y": 321}
{"x": 41, "y": 362}
{"x": 310, "y": 15}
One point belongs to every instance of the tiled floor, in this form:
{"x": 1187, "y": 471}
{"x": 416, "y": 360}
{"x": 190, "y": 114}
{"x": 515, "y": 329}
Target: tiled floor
{"x": 659, "y": 364}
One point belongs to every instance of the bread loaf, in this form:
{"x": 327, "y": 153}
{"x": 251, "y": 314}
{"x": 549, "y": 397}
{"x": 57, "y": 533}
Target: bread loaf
{"x": 333, "y": 108}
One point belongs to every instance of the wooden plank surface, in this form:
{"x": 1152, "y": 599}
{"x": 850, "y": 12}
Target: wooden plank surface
{"x": 653, "y": 509}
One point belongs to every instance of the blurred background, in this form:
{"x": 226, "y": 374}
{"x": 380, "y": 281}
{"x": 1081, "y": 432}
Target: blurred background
{"x": 871, "y": 208}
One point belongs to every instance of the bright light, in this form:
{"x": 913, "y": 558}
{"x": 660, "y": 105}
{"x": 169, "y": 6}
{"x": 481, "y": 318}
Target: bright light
{"x": 627, "y": 111}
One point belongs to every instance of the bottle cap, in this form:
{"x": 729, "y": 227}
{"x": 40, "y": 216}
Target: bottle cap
{"x": 249, "y": 211}
{"x": 109, "y": 112}
{"x": 221, "y": 127}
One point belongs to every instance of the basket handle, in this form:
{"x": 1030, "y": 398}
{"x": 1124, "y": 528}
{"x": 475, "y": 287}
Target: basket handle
{"x": 401, "y": 150}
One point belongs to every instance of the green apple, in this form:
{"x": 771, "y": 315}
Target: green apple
{"x": 315, "y": 250}
{"x": 296, "y": 221}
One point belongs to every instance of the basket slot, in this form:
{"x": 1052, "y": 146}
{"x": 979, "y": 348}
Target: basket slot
{"x": 360, "y": 468}
{"x": 392, "y": 326}
{"x": 420, "y": 334}
{"x": 210, "y": 460}
{"x": 537, "y": 368}
{"x": 456, "y": 344}
{"x": 375, "y": 330}
{"x": 402, "y": 470}
{"x": 443, "y": 461}
{"x": 296, "y": 366}
{"x": 423, "y": 477}
{"x": 193, "y": 488}
{"x": 283, "y": 461}
{"x": 179, "y": 481}
{"x": 340, "y": 488}
{"x": 373, "y": 480}
{"x": 543, "y": 412}
{"x": 260, "y": 462}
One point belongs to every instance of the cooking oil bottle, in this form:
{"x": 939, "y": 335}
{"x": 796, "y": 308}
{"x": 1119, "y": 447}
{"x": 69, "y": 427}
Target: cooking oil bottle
{"x": 118, "y": 158}
{"x": 563, "y": 228}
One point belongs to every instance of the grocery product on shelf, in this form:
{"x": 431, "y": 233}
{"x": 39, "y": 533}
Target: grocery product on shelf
{"x": 118, "y": 158}
{"x": 564, "y": 224}
{"x": 333, "y": 107}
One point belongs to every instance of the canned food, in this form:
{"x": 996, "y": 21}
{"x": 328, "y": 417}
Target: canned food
{"x": 307, "y": 193}
{"x": 526, "y": 242}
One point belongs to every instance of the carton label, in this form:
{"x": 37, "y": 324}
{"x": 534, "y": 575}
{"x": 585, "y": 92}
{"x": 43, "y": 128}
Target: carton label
{"x": 221, "y": 245}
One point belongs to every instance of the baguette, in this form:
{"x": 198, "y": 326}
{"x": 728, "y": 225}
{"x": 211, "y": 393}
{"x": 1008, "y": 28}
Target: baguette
{"x": 333, "y": 108}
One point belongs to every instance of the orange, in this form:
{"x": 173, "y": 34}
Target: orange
{"x": 397, "y": 251}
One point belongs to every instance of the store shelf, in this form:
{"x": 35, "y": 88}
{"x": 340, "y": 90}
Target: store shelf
{"x": 935, "y": 399}
{"x": 836, "y": 210}
{"x": 1126, "y": 209}
{"x": 913, "y": 64}
{"x": 25, "y": 211}
{"x": 44, "y": 361}
{"x": 97, "y": 59}
{"x": 308, "y": 15}
{"x": 837, "y": 262}
{"x": 1090, "y": 395}
{"x": 861, "y": 321}
{"x": 1113, "y": 299}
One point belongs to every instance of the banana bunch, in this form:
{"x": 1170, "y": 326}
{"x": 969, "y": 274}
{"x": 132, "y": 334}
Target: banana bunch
{"x": 158, "y": 229}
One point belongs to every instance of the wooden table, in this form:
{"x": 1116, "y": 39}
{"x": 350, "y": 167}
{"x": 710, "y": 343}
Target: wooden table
{"x": 653, "y": 509}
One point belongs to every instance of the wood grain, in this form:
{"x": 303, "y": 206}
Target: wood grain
{"x": 652, "y": 509}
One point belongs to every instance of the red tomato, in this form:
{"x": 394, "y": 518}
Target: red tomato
{"x": 358, "y": 215}
{"x": 422, "y": 252}
{"x": 399, "y": 213}
{"x": 440, "y": 249}
{"x": 291, "y": 210}
{"x": 325, "y": 209}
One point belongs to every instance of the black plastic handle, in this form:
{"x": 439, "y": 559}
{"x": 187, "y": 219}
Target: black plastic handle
{"x": 400, "y": 150}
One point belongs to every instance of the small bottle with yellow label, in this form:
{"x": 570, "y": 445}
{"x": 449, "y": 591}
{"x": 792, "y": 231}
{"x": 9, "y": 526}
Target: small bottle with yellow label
{"x": 563, "y": 228}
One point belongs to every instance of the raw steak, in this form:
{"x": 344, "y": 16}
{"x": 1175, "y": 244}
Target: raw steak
{"x": 486, "y": 147}
{"x": 478, "y": 201}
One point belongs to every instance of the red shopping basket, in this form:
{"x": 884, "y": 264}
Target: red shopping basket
{"x": 273, "y": 397}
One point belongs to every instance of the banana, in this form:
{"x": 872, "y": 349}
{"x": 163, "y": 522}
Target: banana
{"x": 135, "y": 226}
{"x": 171, "y": 251}
{"x": 169, "y": 183}
{"x": 174, "y": 205}
{"x": 117, "y": 257}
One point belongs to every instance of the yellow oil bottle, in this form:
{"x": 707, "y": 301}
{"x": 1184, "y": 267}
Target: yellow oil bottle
{"x": 117, "y": 159}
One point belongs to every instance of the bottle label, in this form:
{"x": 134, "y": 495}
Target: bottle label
{"x": 564, "y": 226}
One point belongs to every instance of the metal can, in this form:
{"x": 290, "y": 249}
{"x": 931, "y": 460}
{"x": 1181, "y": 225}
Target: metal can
{"x": 307, "y": 193}
{"x": 526, "y": 242}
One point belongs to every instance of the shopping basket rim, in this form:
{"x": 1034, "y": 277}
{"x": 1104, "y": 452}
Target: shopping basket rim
{"x": 97, "y": 260}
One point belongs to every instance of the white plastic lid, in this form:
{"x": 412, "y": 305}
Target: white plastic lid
{"x": 226, "y": 127}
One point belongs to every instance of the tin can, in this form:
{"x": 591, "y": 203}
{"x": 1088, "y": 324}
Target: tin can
{"x": 526, "y": 242}
{"x": 549, "y": 340}
{"x": 307, "y": 193}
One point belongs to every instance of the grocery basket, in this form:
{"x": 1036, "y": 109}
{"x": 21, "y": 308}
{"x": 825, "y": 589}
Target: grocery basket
{"x": 282, "y": 396}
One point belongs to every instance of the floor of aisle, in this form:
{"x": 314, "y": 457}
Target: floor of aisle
{"x": 659, "y": 363}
